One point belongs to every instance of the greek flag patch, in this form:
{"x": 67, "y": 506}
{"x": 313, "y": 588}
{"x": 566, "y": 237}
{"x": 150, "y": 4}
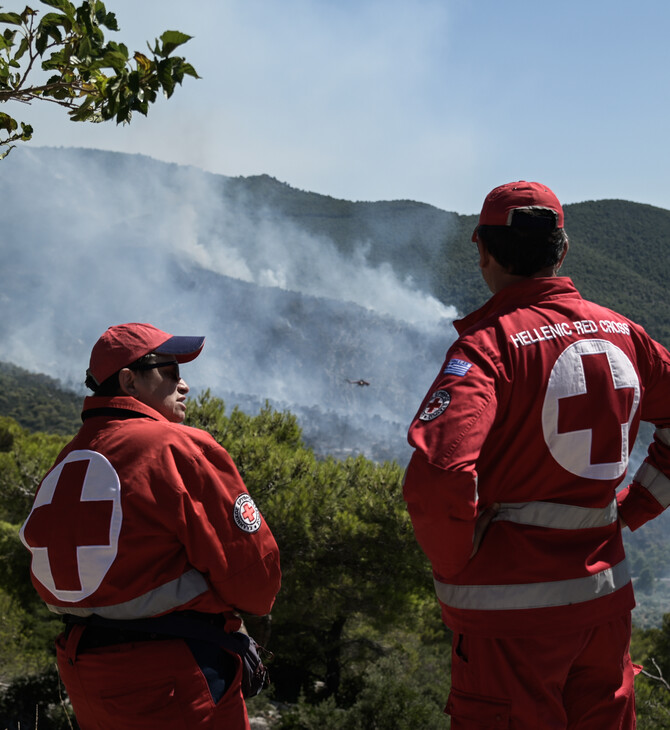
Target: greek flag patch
{"x": 457, "y": 367}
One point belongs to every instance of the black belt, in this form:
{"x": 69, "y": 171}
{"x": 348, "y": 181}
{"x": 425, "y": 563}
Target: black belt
{"x": 99, "y": 632}
{"x": 95, "y": 637}
{"x": 198, "y": 630}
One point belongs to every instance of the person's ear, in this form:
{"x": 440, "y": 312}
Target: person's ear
{"x": 484, "y": 255}
{"x": 565, "y": 251}
{"x": 127, "y": 378}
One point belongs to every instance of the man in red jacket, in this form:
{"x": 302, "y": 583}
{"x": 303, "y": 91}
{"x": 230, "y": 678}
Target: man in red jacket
{"x": 144, "y": 537}
{"x": 520, "y": 445}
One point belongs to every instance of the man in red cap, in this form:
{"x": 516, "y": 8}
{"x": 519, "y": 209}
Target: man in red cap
{"x": 144, "y": 537}
{"x": 520, "y": 445}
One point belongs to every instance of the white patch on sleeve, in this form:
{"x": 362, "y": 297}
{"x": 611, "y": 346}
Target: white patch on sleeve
{"x": 436, "y": 406}
{"x": 246, "y": 514}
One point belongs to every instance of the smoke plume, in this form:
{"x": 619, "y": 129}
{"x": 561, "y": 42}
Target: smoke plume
{"x": 92, "y": 239}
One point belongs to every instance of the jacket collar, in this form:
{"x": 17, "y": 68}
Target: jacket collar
{"x": 521, "y": 294}
{"x": 121, "y": 406}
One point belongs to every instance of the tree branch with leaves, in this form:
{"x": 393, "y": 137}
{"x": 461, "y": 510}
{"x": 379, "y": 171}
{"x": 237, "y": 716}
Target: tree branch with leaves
{"x": 94, "y": 79}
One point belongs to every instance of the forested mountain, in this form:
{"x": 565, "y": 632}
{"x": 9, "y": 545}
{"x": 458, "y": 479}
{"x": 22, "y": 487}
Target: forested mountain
{"x": 619, "y": 250}
{"x": 620, "y": 256}
{"x": 38, "y": 402}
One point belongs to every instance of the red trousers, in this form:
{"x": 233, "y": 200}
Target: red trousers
{"x": 143, "y": 685}
{"x": 580, "y": 681}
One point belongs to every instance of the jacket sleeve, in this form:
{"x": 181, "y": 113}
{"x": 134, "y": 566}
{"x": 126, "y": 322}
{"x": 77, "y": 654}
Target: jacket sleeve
{"x": 649, "y": 493}
{"x": 240, "y": 560}
{"x": 440, "y": 486}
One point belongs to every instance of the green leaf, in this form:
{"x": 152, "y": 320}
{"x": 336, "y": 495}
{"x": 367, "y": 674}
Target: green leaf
{"x": 85, "y": 51}
{"x": 124, "y": 116}
{"x": 134, "y": 82}
{"x": 27, "y": 13}
{"x": 23, "y": 47}
{"x": 117, "y": 48}
{"x": 60, "y": 94}
{"x": 48, "y": 28}
{"x": 64, "y": 5}
{"x": 8, "y": 123}
{"x": 56, "y": 61}
{"x": 173, "y": 39}
{"x": 41, "y": 41}
{"x": 186, "y": 68}
{"x": 52, "y": 20}
{"x": 109, "y": 21}
{"x": 11, "y": 18}
{"x": 113, "y": 59}
{"x": 82, "y": 114}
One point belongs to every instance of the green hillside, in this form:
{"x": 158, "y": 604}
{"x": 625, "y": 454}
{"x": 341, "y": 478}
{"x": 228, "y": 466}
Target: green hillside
{"x": 619, "y": 250}
{"x": 620, "y": 256}
{"x": 403, "y": 233}
{"x": 38, "y": 402}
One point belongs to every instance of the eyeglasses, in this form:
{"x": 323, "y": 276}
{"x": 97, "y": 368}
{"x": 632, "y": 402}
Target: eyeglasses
{"x": 172, "y": 374}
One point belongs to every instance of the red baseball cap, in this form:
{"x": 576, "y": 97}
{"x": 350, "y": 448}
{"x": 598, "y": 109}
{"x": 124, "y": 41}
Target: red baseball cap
{"x": 122, "y": 344}
{"x": 502, "y": 201}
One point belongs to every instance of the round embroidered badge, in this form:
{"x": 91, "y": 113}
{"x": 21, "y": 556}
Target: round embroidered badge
{"x": 436, "y": 406}
{"x": 246, "y": 514}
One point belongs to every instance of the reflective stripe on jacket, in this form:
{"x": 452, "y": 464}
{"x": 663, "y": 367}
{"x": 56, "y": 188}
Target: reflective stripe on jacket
{"x": 162, "y": 599}
{"x": 544, "y": 594}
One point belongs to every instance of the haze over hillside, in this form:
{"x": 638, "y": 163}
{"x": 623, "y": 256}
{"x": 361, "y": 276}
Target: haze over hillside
{"x": 95, "y": 239}
{"x": 297, "y": 293}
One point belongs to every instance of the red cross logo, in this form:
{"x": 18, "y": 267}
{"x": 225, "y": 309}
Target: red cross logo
{"x": 592, "y": 396}
{"x": 438, "y": 404}
{"x": 66, "y": 523}
{"x": 248, "y": 513}
{"x": 603, "y": 409}
{"x": 74, "y": 526}
{"x": 433, "y": 405}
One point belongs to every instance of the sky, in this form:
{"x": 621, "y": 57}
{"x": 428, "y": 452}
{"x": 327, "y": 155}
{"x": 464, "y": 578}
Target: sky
{"x": 436, "y": 101}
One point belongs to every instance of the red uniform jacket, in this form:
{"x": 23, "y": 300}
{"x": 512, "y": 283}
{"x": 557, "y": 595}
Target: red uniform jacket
{"x": 537, "y": 407}
{"x": 140, "y": 517}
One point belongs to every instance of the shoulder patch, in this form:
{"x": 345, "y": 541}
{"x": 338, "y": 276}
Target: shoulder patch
{"x": 457, "y": 367}
{"x": 436, "y": 406}
{"x": 246, "y": 514}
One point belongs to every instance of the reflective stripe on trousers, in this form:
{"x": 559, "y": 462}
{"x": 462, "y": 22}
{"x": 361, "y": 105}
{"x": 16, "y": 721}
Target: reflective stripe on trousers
{"x": 164, "y": 598}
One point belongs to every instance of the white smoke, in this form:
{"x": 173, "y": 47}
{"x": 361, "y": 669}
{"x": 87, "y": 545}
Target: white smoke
{"x": 94, "y": 239}
{"x": 257, "y": 247}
